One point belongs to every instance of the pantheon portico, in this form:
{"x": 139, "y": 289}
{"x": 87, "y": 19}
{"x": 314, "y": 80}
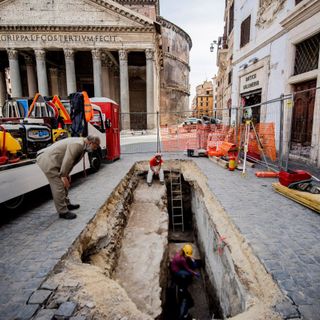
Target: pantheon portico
{"x": 107, "y": 48}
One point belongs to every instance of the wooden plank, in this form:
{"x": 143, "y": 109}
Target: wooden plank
{"x": 307, "y": 199}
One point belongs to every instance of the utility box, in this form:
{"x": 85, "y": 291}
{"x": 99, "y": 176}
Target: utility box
{"x": 110, "y": 111}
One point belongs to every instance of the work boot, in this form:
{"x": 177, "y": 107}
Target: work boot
{"x": 73, "y": 206}
{"x": 68, "y": 215}
{"x": 149, "y": 184}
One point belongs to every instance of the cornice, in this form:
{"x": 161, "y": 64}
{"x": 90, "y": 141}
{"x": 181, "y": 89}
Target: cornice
{"x": 303, "y": 11}
{"x": 119, "y": 9}
{"x": 124, "y": 11}
{"x": 141, "y": 2}
{"x": 179, "y": 89}
{"x": 169, "y": 25}
{"x": 171, "y": 56}
{"x": 137, "y": 1}
{"x": 44, "y": 28}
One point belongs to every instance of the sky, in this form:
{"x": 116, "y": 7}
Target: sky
{"x": 203, "y": 21}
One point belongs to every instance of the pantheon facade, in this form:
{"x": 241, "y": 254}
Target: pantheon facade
{"x": 120, "y": 49}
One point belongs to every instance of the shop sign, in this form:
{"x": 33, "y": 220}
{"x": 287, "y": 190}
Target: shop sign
{"x": 251, "y": 81}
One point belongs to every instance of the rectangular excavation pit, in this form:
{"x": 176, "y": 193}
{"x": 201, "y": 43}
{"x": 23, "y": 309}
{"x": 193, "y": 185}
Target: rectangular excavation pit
{"x": 98, "y": 273}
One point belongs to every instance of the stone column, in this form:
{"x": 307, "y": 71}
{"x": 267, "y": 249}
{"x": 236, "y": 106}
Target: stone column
{"x": 42, "y": 72}
{"x": 97, "y": 70}
{"x": 54, "y": 81}
{"x": 105, "y": 77}
{"x": 112, "y": 82}
{"x": 16, "y": 88}
{"x": 63, "y": 84}
{"x": 116, "y": 85}
{"x": 70, "y": 71}
{"x": 150, "y": 89}
{"x": 31, "y": 76}
{"x": 124, "y": 89}
{"x": 3, "y": 91}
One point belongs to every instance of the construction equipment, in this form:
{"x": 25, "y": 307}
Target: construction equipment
{"x": 248, "y": 125}
{"x": 176, "y": 200}
{"x": 17, "y": 179}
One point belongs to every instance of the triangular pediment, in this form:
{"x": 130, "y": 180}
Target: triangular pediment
{"x": 104, "y": 13}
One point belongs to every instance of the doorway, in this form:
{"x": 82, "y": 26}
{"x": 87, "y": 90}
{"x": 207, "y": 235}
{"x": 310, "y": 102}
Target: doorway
{"x": 302, "y": 118}
{"x": 250, "y": 99}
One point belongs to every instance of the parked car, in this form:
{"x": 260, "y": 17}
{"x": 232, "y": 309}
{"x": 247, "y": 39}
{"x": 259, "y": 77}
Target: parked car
{"x": 210, "y": 120}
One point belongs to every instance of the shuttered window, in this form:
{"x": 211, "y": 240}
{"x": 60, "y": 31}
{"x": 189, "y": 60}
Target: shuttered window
{"x": 245, "y": 31}
{"x": 231, "y": 18}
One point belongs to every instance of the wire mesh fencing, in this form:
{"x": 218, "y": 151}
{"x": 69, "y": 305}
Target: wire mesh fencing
{"x": 271, "y": 133}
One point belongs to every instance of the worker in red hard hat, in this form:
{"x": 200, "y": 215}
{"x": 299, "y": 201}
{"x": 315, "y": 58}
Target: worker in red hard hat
{"x": 155, "y": 169}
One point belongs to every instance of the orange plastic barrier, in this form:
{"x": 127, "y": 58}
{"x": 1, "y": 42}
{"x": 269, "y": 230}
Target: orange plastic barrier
{"x": 267, "y": 174}
{"x": 211, "y": 137}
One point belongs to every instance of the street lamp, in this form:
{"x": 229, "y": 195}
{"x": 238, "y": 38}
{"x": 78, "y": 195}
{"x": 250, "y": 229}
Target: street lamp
{"x": 212, "y": 44}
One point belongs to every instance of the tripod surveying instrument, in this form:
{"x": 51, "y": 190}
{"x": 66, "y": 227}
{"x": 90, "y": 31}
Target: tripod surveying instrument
{"x": 247, "y": 116}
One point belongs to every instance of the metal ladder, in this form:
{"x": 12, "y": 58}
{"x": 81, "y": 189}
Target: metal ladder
{"x": 176, "y": 201}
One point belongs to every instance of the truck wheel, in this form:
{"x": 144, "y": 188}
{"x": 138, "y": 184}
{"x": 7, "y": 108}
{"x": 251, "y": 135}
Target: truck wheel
{"x": 95, "y": 162}
{"x": 14, "y": 203}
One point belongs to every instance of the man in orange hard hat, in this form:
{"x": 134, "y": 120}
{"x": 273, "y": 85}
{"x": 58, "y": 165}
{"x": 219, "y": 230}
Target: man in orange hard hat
{"x": 155, "y": 169}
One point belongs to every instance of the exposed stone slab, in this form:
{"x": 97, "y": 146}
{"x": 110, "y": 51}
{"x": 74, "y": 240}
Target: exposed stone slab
{"x": 65, "y": 310}
{"x": 45, "y": 314}
{"x": 143, "y": 248}
{"x": 39, "y": 296}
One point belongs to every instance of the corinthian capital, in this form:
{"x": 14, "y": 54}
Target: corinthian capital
{"x": 149, "y": 54}
{"x": 40, "y": 54}
{"x": 13, "y": 54}
{"x": 68, "y": 53}
{"x": 96, "y": 54}
{"x": 123, "y": 55}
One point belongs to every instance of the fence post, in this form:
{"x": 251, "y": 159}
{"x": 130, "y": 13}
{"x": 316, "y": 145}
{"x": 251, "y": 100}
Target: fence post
{"x": 281, "y": 132}
{"x": 158, "y": 133}
{"x": 237, "y": 128}
{"x": 290, "y": 114}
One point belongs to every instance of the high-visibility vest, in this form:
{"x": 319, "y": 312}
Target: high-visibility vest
{"x": 88, "y": 110}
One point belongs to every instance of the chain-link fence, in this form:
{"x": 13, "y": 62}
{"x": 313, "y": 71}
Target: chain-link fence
{"x": 276, "y": 131}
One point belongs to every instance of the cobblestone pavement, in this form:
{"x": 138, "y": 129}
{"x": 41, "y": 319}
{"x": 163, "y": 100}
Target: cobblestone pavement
{"x": 283, "y": 234}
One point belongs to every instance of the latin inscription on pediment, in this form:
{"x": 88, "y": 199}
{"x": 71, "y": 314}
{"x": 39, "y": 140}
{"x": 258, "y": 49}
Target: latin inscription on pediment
{"x": 60, "y": 38}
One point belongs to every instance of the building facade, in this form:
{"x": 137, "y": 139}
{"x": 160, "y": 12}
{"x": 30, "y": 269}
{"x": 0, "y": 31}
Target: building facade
{"x": 107, "y": 48}
{"x": 204, "y": 100}
{"x": 224, "y": 62}
{"x": 276, "y": 51}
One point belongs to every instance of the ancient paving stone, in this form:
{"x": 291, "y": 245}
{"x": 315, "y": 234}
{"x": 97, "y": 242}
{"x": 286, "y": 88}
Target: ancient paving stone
{"x": 49, "y": 285}
{"x": 287, "y": 310}
{"x": 39, "y": 296}
{"x": 78, "y": 318}
{"x": 45, "y": 314}
{"x": 26, "y": 312}
{"x": 65, "y": 310}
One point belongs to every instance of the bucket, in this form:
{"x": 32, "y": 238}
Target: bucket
{"x": 232, "y": 163}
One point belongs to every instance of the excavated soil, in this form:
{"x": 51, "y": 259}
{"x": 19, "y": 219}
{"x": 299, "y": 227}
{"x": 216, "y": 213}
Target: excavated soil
{"x": 88, "y": 274}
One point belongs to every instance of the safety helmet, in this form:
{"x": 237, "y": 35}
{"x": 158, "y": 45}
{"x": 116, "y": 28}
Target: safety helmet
{"x": 187, "y": 249}
{"x": 158, "y": 155}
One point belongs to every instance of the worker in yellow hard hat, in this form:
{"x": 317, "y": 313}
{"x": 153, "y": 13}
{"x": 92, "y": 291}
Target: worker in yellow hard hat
{"x": 183, "y": 264}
